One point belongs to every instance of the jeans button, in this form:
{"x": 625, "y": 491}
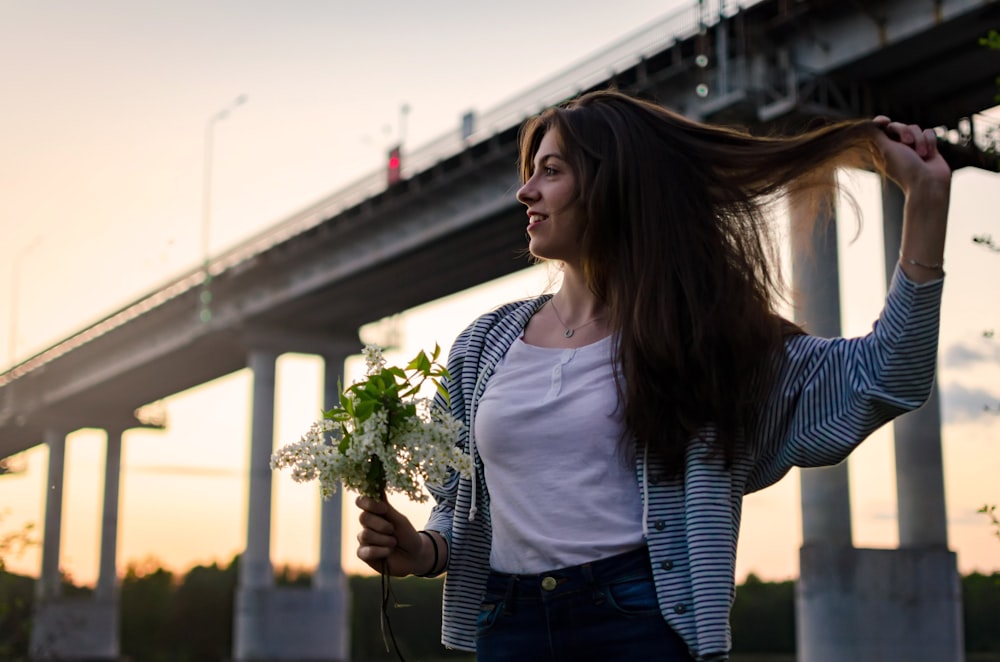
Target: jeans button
{"x": 549, "y": 583}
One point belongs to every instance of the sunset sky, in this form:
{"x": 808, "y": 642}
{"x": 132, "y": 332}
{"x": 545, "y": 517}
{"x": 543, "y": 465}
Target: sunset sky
{"x": 101, "y": 154}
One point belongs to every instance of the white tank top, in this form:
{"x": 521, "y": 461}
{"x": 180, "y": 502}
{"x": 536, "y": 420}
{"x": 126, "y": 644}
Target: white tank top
{"x": 547, "y": 430}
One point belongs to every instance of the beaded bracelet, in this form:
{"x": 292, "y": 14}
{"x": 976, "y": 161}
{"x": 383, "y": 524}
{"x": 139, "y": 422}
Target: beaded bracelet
{"x": 909, "y": 260}
{"x": 430, "y": 573}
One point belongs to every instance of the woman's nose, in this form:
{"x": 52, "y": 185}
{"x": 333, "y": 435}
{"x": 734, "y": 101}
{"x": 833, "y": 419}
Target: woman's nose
{"x": 526, "y": 193}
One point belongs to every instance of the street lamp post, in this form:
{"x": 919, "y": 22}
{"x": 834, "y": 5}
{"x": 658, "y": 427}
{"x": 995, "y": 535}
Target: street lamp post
{"x": 15, "y": 291}
{"x": 206, "y": 202}
{"x": 404, "y": 111}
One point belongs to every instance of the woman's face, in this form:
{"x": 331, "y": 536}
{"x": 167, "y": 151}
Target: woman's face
{"x": 554, "y": 212}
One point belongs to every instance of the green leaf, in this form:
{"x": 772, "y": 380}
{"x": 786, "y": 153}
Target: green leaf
{"x": 372, "y": 389}
{"x": 338, "y": 415}
{"x": 347, "y": 403}
{"x": 420, "y": 363}
{"x": 334, "y": 414}
{"x": 391, "y": 392}
{"x": 444, "y": 392}
{"x": 364, "y": 410}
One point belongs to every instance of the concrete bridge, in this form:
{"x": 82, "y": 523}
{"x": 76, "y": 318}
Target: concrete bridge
{"x": 452, "y": 223}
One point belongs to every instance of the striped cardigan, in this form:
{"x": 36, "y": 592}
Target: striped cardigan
{"x": 830, "y": 394}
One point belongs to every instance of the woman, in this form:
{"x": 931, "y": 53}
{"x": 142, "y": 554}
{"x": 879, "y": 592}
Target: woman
{"x": 616, "y": 425}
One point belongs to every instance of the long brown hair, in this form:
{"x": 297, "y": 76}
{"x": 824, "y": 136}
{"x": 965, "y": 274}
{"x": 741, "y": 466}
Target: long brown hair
{"x": 676, "y": 242}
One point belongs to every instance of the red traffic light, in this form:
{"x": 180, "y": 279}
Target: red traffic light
{"x": 394, "y": 165}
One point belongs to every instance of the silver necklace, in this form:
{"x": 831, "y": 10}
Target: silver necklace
{"x": 568, "y": 333}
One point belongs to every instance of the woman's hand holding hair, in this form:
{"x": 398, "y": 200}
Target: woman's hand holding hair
{"x": 388, "y": 536}
{"x": 913, "y": 162}
{"x": 911, "y": 155}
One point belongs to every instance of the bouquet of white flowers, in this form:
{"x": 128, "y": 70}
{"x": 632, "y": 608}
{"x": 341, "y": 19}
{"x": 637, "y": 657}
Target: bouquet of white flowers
{"x": 382, "y": 437}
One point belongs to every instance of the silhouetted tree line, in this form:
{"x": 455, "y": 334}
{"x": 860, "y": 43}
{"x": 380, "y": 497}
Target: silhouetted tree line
{"x": 189, "y": 618}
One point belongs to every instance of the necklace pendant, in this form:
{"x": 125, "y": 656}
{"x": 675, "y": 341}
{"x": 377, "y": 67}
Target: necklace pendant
{"x": 568, "y": 333}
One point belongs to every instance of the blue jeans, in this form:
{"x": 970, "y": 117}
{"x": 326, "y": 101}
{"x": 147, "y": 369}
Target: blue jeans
{"x": 602, "y": 611}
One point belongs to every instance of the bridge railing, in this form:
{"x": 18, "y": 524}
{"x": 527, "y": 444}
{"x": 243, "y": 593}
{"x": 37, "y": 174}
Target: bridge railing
{"x": 617, "y": 57}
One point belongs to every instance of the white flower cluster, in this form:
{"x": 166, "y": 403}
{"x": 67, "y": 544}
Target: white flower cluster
{"x": 414, "y": 450}
{"x": 311, "y": 457}
{"x": 374, "y": 360}
{"x": 422, "y": 449}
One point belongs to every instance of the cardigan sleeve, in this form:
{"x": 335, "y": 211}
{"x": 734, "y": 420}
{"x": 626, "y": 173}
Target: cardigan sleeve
{"x": 831, "y": 394}
{"x": 445, "y": 494}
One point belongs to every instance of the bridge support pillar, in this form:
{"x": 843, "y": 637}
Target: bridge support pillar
{"x": 285, "y": 623}
{"x": 49, "y": 583}
{"x": 825, "y": 491}
{"x": 919, "y": 465}
{"x": 868, "y": 605}
{"x": 49, "y": 586}
{"x": 330, "y": 580}
{"x": 84, "y": 628}
{"x": 107, "y": 580}
{"x": 935, "y": 593}
{"x": 256, "y": 575}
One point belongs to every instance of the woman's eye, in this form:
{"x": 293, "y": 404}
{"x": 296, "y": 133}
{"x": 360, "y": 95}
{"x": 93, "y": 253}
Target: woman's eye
{"x": 549, "y": 170}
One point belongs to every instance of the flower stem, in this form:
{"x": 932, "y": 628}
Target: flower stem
{"x": 375, "y": 483}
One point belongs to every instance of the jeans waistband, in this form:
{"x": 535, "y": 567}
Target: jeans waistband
{"x": 629, "y": 565}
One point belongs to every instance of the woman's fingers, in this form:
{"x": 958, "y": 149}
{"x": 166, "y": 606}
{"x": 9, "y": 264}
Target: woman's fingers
{"x": 931, "y": 139}
{"x": 377, "y": 523}
{"x": 375, "y": 540}
{"x": 904, "y": 133}
{"x": 375, "y": 515}
{"x": 374, "y": 547}
{"x": 374, "y": 552}
{"x": 387, "y": 538}
{"x": 911, "y": 154}
{"x": 923, "y": 141}
{"x": 370, "y": 537}
{"x": 377, "y": 506}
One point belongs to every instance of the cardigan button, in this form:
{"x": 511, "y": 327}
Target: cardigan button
{"x": 667, "y": 565}
{"x": 659, "y": 524}
{"x": 680, "y": 608}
